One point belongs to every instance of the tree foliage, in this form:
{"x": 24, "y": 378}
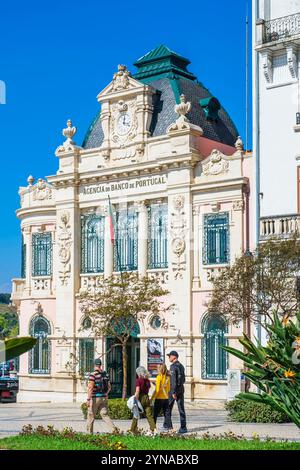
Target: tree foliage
{"x": 256, "y": 285}
{"x": 119, "y": 305}
{"x": 9, "y": 324}
{"x": 275, "y": 368}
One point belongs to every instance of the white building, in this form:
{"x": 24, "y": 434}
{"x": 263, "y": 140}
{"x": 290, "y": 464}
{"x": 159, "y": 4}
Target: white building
{"x": 276, "y": 114}
{"x": 169, "y": 157}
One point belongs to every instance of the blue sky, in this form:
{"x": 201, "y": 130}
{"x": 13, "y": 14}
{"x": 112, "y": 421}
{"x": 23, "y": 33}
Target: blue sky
{"x": 56, "y": 56}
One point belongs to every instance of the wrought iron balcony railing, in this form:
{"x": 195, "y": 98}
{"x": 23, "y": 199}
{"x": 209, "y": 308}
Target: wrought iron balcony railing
{"x": 281, "y": 28}
{"x": 280, "y": 226}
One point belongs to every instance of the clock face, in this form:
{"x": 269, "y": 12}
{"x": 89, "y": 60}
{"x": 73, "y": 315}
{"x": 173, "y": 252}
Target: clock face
{"x": 123, "y": 123}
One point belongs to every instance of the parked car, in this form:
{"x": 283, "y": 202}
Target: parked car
{"x": 9, "y": 382}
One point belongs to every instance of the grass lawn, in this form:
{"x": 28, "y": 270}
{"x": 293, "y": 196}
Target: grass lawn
{"x": 83, "y": 442}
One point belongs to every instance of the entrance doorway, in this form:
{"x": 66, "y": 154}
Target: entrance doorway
{"x": 114, "y": 366}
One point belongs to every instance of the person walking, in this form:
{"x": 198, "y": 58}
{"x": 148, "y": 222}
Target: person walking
{"x": 98, "y": 389}
{"x": 176, "y": 393}
{"x": 141, "y": 393}
{"x": 161, "y": 393}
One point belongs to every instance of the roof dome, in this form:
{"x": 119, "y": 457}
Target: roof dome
{"x": 167, "y": 72}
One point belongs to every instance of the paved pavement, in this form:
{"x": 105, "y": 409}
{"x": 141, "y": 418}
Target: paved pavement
{"x": 14, "y": 416}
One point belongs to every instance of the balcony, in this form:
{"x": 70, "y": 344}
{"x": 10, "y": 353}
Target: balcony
{"x": 279, "y": 226}
{"x": 18, "y": 286}
{"x": 280, "y": 28}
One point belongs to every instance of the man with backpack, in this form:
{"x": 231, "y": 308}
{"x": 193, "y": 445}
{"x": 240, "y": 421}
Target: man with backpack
{"x": 98, "y": 389}
{"x": 176, "y": 393}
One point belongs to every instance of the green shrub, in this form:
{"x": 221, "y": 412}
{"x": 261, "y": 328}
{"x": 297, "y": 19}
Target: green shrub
{"x": 245, "y": 411}
{"x": 117, "y": 409}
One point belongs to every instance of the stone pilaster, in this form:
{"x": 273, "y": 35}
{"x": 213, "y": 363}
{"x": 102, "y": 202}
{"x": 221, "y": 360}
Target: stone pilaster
{"x": 108, "y": 246}
{"x": 142, "y": 238}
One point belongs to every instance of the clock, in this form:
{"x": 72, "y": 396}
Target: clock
{"x": 123, "y": 123}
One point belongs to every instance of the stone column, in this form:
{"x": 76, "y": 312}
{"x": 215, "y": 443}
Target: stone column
{"x": 142, "y": 238}
{"x": 108, "y": 247}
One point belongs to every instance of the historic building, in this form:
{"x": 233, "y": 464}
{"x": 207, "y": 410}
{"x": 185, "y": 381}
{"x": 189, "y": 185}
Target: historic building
{"x": 169, "y": 157}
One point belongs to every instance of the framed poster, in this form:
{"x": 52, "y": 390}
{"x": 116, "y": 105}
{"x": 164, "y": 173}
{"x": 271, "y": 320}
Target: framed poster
{"x": 155, "y": 354}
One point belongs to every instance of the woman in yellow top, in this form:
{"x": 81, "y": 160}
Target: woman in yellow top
{"x": 161, "y": 393}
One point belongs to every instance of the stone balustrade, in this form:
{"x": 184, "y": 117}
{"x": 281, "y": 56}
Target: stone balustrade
{"x": 282, "y": 226}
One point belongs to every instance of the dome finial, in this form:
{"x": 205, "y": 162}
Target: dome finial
{"x": 182, "y": 108}
{"x": 239, "y": 144}
{"x": 30, "y": 180}
{"x": 69, "y": 133}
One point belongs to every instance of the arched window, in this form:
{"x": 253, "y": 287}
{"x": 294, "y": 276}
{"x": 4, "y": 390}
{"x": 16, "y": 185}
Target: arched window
{"x": 214, "y": 358}
{"x": 40, "y": 355}
{"x": 92, "y": 243}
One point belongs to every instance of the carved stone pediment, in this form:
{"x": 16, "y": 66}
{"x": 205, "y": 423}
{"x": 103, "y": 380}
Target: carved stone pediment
{"x": 216, "y": 164}
{"x": 41, "y": 190}
{"x": 122, "y": 82}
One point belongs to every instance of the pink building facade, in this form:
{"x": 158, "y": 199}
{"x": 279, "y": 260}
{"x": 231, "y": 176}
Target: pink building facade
{"x": 170, "y": 159}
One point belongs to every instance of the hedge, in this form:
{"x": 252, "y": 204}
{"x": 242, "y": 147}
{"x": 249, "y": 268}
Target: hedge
{"x": 245, "y": 411}
{"x": 117, "y": 409}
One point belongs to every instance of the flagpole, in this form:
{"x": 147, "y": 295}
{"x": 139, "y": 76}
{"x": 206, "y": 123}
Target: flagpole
{"x": 114, "y": 239}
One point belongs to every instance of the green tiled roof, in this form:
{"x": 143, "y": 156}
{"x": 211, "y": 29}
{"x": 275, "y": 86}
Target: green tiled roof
{"x": 161, "y": 61}
{"x": 167, "y": 73}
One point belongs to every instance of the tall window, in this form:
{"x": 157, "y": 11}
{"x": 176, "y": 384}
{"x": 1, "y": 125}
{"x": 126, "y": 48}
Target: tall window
{"x": 23, "y": 259}
{"x": 158, "y": 243}
{"x": 41, "y": 254}
{"x": 86, "y": 355}
{"x": 214, "y": 358}
{"x": 216, "y": 239}
{"x": 92, "y": 243}
{"x": 126, "y": 243}
{"x": 40, "y": 355}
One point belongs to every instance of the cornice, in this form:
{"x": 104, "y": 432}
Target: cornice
{"x": 131, "y": 170}
{"x": 34, "y": 211}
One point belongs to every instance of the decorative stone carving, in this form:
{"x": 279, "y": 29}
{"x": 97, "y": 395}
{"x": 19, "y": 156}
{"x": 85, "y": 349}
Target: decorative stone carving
{"x": 90, "y": 283}
{"x": 39, "y": 309}
{"x": 181, "y": 110}
{"x": 121, "y": 78}
{"x": 216, "y": 165}
{"x": 267, "y": 66}
{"x": 69, "y": 132}
{"x": 178, "y": 202}
{"x": 162, "y": 276}
{"x": 41, "y": 284}
{"x": 42, "y": 191}
{"x": 292, "y": 60}
{"x": 212, "y": 273}
{"x": 64, "y": 247}
{"x": 238, "y": 205}
{"x": 178, "y": 233}
{"x": 30, "y": 180}
{"x": 239, "y": 144}
{"x": 215, "y": 206}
